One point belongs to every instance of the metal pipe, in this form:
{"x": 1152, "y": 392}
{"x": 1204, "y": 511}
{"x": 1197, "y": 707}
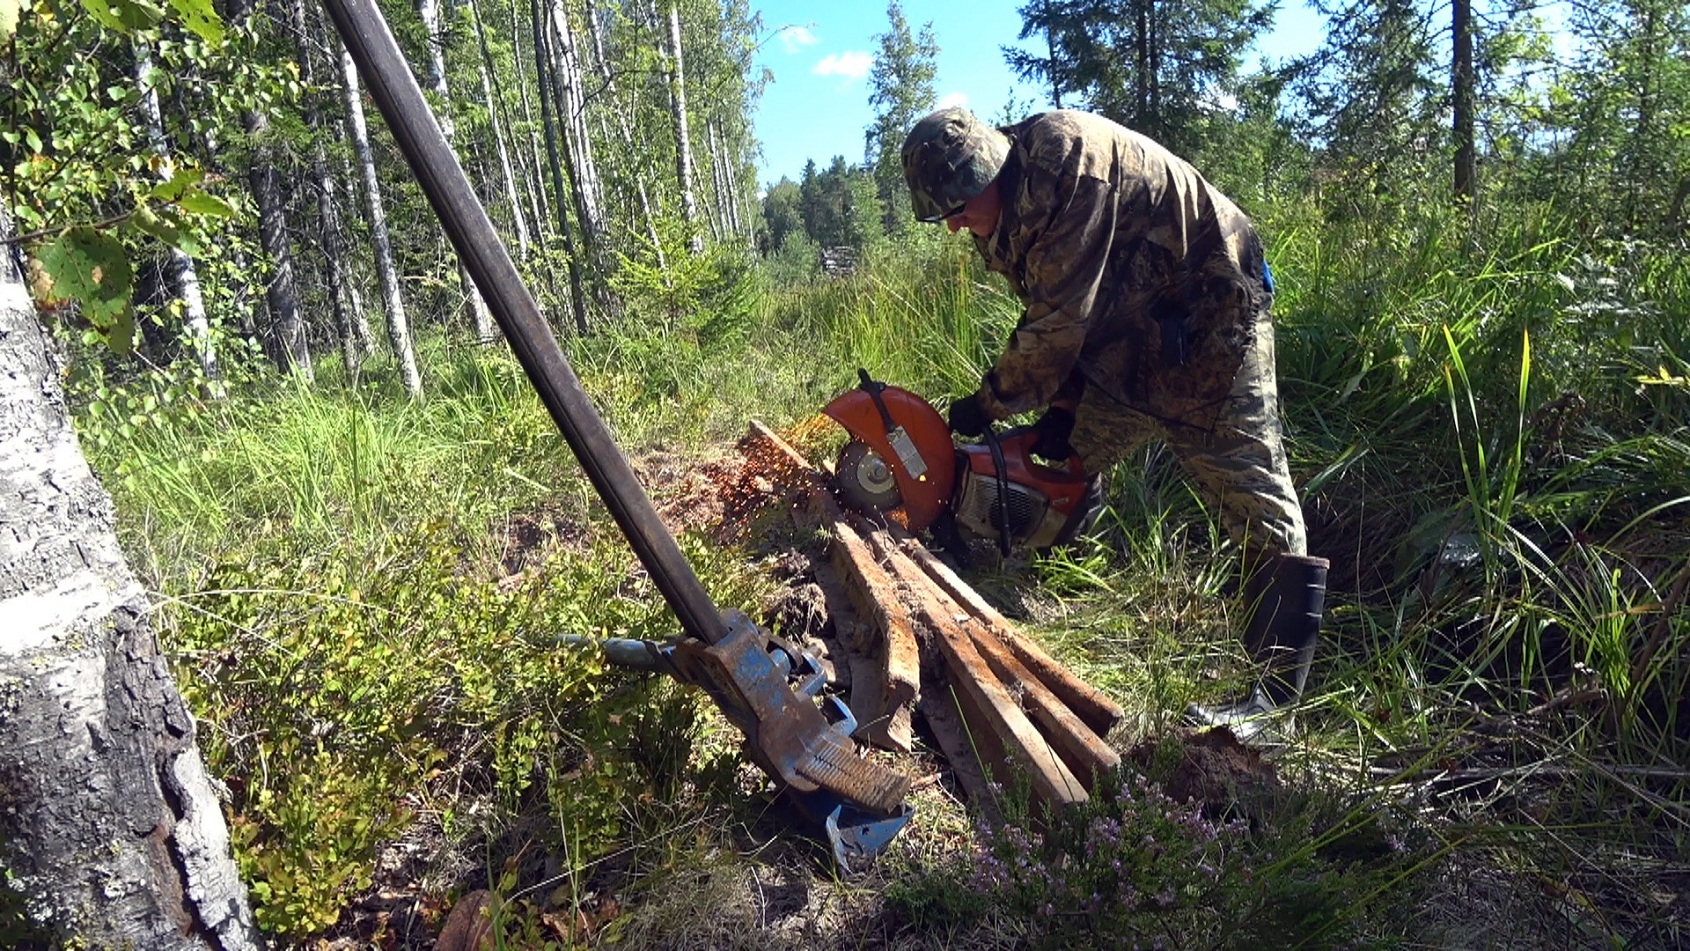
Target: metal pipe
{"x": 436, "y": 167}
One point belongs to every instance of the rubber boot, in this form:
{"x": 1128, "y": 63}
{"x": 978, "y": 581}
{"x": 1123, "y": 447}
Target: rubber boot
{"x": 1289, "y": 597}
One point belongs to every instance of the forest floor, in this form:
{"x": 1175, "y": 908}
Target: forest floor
{"x": 748, "y": 872}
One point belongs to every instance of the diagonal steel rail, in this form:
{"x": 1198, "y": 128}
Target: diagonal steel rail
{"x": 787, "y": 734}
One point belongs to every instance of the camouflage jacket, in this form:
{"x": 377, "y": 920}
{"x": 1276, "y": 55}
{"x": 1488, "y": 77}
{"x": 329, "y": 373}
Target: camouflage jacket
{"x": 1139, "y": 278}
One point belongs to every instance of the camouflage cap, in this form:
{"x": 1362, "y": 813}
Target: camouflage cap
{"x": 949, "y": 157}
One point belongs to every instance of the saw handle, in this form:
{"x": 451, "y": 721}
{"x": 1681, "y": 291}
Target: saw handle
{"x": 1022, "y": 439}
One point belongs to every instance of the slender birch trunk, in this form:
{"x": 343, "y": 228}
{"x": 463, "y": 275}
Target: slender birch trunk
{"x": 572, "y": 114}
{"x": 398, "y": 325}
{"x": 181, "y": 273}
{"x": 543, "y": 60}
{"x": 495, "y": 107}
{"x": 626, "y": 132}
{"x": 673, "y": 56}
{"x": 328, "y": 215}
{"x": 481, "y": 319}
{"x": 534, "y": 164}
{"x": 569, "y": 86}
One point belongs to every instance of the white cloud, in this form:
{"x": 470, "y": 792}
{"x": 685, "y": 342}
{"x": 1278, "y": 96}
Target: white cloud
{"x": 795, "y": 38}
{"x": 852, "y": 64}
{"x": 952, "y": 99}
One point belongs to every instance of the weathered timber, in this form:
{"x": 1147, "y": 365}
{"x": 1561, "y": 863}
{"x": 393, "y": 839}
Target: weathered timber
{"x": 1013, "y": 746}
{"x": 1090, "y": 704}
{"x": 876, "y": 598}
{"x": 938, "y": 708}
{"x": 989, "y": 697}
{"x": 993, "y": 698}
{"x": 1085, "y": 753}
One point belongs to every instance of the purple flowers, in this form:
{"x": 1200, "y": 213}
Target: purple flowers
{"x": 1112, "y": 869}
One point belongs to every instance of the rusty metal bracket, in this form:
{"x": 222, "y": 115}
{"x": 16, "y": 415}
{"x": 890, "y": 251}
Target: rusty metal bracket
{"x": 768, "y": 688}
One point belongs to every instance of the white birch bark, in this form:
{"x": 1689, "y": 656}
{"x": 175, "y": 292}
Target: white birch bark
{"x": 181, "y": 273}
{"x": 495, "y": 107}
{"x": 328, "y": 214}
{"x": 572, "y": 113}
{"x": 481, "y": 319}
{"x": 110, "y": 830}
{"x": 626, "y": 133}
{"x": 683, "y": 138}
{"x": 387, "y": 274}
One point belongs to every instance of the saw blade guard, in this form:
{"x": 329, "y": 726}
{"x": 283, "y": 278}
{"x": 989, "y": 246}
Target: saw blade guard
{"x": 927, "y": 491}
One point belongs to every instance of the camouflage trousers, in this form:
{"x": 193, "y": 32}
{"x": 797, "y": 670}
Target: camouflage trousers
{"x": 1239, "y": 465}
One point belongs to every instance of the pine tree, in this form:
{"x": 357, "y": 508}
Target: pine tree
{"x": 1153, "y": 65}
{"x": 901, "y": 92}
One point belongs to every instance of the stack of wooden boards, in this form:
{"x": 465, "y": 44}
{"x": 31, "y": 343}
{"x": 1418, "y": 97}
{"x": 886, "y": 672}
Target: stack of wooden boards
{"x": 917, "y": 640}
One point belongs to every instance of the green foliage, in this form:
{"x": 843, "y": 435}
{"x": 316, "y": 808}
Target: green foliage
{"x": 89, "y": 189}
{"x": 340, "y": 684}
{"x": 92, "y": 267}
{"x": 782, "y": 217}
{"x": 900, "y": 92}
{"x": 1159, "y": 68}
{"x": 841, "y": 206}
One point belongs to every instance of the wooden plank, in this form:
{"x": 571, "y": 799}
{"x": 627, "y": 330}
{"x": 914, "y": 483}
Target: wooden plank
{"x": 773, "y": 458}
{"x": 1081, "y": 749}
{"x": 1090, "y": 704}
{"x": 875, "y": 597}
{"x": 1000, "y": 725}
{"x": 938, "y": 709}
{"x": 1085, "y": 753}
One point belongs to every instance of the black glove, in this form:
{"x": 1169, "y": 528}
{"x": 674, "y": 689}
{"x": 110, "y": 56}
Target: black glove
{"x": 968, "y": 418}
{"x": 1054, "y": 429}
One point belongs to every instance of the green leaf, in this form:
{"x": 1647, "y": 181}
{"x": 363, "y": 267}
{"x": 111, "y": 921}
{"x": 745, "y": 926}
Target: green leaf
{"x": 125, "y": 16}
{"x": 9, "y": 18}
{"x": 204, "y": 203}
{"x": 159, "y": 226}
{"x": 122, "y": 335}
{"x": 182, "y": 178}
{"x": 198, "y": 15}
{"x": 90, "y": 266}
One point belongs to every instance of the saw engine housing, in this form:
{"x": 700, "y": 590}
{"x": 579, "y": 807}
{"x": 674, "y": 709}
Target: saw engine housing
{"x": 1042, "y": 505}
{"x": 903, "y": 461}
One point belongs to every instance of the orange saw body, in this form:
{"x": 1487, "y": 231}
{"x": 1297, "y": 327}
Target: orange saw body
{"x": 902, "y": 461}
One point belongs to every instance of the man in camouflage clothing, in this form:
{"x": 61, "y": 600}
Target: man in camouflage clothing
{"x": 1147, "y": 317}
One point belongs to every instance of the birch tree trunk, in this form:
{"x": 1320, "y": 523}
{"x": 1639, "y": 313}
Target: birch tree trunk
{"x": 180, "y": 273}
{"x": 109, "y": 828}
{"x": 534, "y": 164}
{"x": 721, "y": 217}
{"x": 328, "y": 215}
{"x": 495, "y": 107}
{"x": 542, "y": 61}
{"x": 572, "y": 120}
{"x": 387, "y": 274}
{"x": 481, "y": 319}
{"x": 625, "y": 130}
{"x": 568, "y": 83}
{"x": 683, "y": 139}
{"x": 286, "y": 340}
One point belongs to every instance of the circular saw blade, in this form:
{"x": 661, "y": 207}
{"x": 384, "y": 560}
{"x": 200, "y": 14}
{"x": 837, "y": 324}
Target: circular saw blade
{"x": 864, "y": 480}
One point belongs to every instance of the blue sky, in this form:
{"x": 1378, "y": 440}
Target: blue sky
{"x": 820, "y": 55}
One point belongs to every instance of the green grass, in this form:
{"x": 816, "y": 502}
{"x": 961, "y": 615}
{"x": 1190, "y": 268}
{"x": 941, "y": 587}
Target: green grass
{"x": 1488, "y": 422}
